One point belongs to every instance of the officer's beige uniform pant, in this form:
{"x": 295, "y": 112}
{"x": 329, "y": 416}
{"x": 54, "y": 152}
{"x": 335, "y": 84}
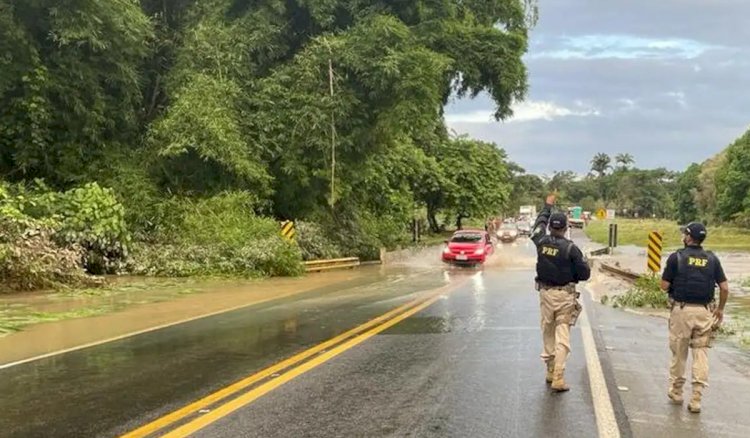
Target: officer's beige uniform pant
{"x": 557, "y": 308}
{"x": 689, "y": 326}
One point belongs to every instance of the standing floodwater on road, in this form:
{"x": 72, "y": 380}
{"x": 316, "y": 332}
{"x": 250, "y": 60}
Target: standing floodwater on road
{"x": 315, "y": 218}
{"x": 464, "y": 362}
{"x": 131, "y": 382}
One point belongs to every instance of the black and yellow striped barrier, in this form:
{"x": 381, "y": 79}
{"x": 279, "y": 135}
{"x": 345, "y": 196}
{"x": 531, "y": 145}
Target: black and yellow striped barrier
{"x": 287, "y": 230}
{"x": 655, "y": 245}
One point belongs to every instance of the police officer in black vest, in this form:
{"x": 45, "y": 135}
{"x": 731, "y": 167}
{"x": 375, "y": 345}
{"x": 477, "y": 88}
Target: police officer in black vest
{"x": 690, "y": 278}
{"x": 560, "y": 266}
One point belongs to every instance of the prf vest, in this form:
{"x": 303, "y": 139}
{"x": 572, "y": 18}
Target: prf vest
{"x": 695, "y": 281}
{"x": 553, "y": 266}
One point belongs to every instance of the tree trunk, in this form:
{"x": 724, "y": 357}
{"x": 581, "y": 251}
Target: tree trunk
{"x": 432, "y": 221}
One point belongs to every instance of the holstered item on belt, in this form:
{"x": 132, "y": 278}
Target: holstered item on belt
{"x": 715, "y": 325}
{"x": 575, "y": 314}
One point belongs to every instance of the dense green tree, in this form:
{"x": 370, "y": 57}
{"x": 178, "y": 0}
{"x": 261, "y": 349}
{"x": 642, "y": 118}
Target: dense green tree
{"x": 70, "y": 86}
{"x": 686, "y": 208}
{"x": 479, "y": 180}
{"x": 600, "y": 164}
{"x": 733, "y": 183}
{"x": 527, "y": 189}
{"x": 194, "y": 99}
{"x": 624, "y": 161}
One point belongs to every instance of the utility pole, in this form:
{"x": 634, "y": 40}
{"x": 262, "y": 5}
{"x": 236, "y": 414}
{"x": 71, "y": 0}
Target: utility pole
{"x": 332, "y": 201}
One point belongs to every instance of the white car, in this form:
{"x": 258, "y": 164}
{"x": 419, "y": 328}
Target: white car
{"x": 508, "y": 232}
{"x": 524, "y": 228}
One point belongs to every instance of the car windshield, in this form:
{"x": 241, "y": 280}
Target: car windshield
{"x": 508, "y": 227}
{"x": 466, "y": 238}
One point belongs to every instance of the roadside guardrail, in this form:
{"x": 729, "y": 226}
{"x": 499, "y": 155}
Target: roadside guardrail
{"x": 624, "y": 274}
{"x": 600, "y": 251}
{"x": 327, "y": 265}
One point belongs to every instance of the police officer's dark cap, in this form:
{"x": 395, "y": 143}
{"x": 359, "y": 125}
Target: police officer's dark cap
{"x": 696, "y": 230}
{"x": 558, "y": 221}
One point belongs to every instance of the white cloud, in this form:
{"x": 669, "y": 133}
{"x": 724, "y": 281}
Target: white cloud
{"x": 627, "y": 103}
{"x": 527, "y": 111}
{"x": 621, "y": 47}
{"x": 679, "y": 97}
{"x": 541, "y": 110}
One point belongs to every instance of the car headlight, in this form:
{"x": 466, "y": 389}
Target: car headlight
{"x": 479, "y": 251}
{"x": 446, "y": 250}
{"x": 513, "y": 233}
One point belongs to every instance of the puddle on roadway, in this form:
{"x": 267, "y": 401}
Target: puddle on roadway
{"x": 128, "y": 304}
{"x": 739, "y": 319}
{"x": 82, "y": 320}
{"x": 19, "y": 311}
{"x": 437, "y": 324}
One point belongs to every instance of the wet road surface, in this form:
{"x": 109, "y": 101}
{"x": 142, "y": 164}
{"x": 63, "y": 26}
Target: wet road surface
{"x": 111, "y": 388}
{"x": 639, "y": 354}
{"x": 466, "y": 366}
{"x": 463, "y": 364}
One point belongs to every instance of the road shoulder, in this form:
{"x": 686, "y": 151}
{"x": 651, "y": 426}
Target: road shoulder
{"x": 48, "y": 339}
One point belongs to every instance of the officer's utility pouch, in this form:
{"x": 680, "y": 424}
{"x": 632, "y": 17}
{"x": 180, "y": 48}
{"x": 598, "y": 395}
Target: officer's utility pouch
{"x": 575, "y": 313}
{"x": 715, "y": 326}
{"x": 571, "y": 288}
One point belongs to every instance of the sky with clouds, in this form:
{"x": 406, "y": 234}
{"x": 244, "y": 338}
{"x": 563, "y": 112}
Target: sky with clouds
{"x": 667, "y": 81}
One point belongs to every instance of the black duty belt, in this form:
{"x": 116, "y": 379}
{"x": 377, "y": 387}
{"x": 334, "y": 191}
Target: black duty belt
{"x": 570, "y": 287}
{"x": 683, "y": 304}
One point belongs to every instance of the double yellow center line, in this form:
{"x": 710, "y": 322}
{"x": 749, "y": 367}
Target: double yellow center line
{"x": 291, "y": 367}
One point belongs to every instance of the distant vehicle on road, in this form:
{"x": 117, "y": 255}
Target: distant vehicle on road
{"x": 468, "y": 247}
{"x": 575, "y": 217}
{"x": 508, "y": 233}
{"x": 527, "y": 211}
{"x": 524, "y": 228}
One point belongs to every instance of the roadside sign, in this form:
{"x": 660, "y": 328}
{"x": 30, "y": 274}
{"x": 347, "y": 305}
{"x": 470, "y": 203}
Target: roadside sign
{"x": 287, "y": 230}
{"x": 655, "y": 244}
{"x": 610, "y": 214}
{"x": 601, "y": 214}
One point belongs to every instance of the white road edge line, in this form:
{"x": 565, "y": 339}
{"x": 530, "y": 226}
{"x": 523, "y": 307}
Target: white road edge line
{"x": 605, "y": 413}
{"x": 135, "y": 333}
{"x": 130, "y": 334}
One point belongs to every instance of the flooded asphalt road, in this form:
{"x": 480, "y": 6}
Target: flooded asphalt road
{"x": 467, "y": 365}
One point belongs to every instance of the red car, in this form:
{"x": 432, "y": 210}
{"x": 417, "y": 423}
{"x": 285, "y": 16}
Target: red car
{"x": 468, "y": 247}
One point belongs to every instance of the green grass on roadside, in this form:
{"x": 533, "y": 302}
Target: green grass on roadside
{"x": 646, "y": 292}
{"x": 180, "y": 286}
{"x": 11, "y": 322}
{"x": 635, "y": 232}
{"x": 435, "y": 239}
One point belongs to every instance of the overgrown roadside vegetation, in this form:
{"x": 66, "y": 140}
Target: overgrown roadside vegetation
{"x": 170, "y": 138}
{"x": 646, "y": 292}
{"x": 635, "y": 232}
